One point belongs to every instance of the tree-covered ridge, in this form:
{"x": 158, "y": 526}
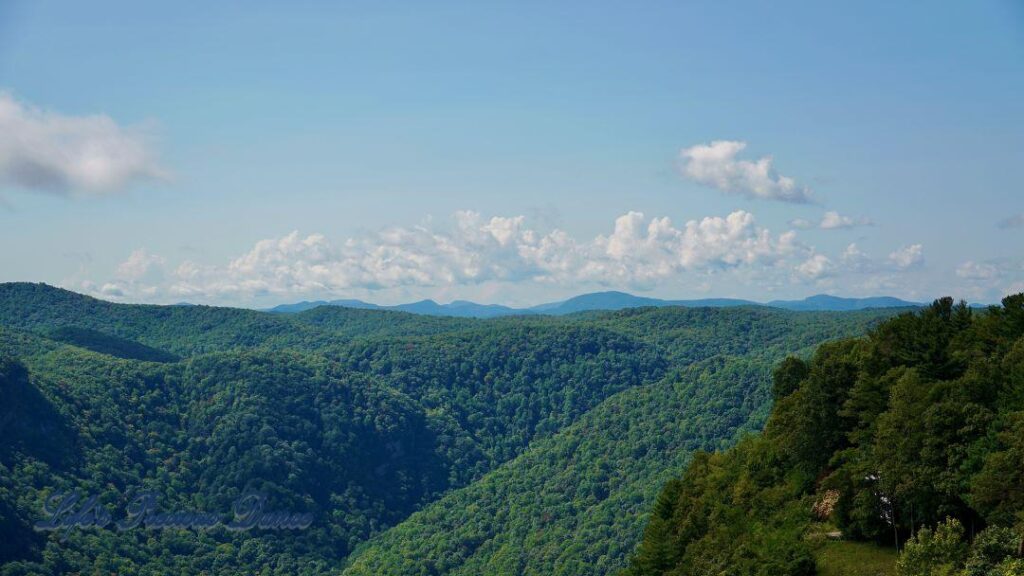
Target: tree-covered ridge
{"x": 126, "y": 427}
{"x": 363, "y": 417}
{"x": 575, "y": 503}
{"x": 882, "y": 439}
{"x": 311, "y": 433}
{"x": 506, "y": 386}
{"x": 186, "y": 330}
{"x": 107, "y": 344}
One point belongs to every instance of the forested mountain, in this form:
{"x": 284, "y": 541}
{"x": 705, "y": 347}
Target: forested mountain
{"x": 909, "y": 438}
{"x": 835, "y": 303}
{"x": 420, "y": 444}
{"x": 575, "y": 503}
{"x": 194, "y": 329}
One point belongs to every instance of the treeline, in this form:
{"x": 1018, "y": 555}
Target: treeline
{"x": 912, "y": 438}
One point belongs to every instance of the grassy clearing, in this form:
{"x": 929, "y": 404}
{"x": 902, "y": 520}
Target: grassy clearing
{"x": 855, "y": 559}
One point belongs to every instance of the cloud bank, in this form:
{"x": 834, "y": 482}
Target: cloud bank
{"x": 638, "y": 252}
{"x": 470, "y": 250}
{"x": 716, "y": 165}
{"x": 42, "y": 151}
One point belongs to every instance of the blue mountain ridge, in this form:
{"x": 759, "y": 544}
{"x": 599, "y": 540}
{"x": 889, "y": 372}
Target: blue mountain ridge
{"x": 611, "y": 300}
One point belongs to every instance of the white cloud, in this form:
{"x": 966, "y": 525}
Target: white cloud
{"x": 639, "y": 252}
{"x": 716, "y": 165}
{"x": 817, "y": 266}
{"x": 643, "y": 251}
{"x": 990, "y": 281}
{"x": 907, "y": 256}
{"x": 977, "y": 271}
{"x": 141, "y": 276}
{"x": 853, "y": 253}
{"x": 50, "y": 152}
{"x": 853, "y": 259}
{"x": 831, "y": 220}
{"x": 470, "y": 253}
{"x": 138, "y": 265}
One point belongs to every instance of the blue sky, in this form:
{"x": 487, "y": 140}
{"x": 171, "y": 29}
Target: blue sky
{"x": 255, "y": 153}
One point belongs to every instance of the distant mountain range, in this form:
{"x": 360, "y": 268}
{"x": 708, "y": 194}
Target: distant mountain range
{"x": 602, "y": 301}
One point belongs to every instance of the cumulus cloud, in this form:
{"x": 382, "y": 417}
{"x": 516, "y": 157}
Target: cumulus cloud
{"x": 716, "y": 165}
{"x": 138, "y": 265}
{"x": 977, "y": 271}
{"x": 831, "y": 220}
{"x": 141, "y": 276}
{"x": 638, "y": 252}
{"x": 880, "y": 273}
{"x": 82, "y": 155}
{"x": 1015, "y": 221}
{"x": 853, "y": 253}
{"x": 471, "y": 252}
{"x": 907, "y": 256}
{"x": 855, "y": 260}
{"x": 817, "y": 266}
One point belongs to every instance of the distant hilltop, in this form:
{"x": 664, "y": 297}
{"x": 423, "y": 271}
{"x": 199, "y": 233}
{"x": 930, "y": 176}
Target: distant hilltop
{"x": 611, "y": 300}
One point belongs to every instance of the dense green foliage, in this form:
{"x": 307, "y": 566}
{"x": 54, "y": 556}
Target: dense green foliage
{"x": 996, "y": 551}
{"x": 881, "y": 437}
{"x": 187, "y": 330}
{"x": 107, "y": 344}
{"x": 574, "y": 503}
{"x": 508, "y": 436}
{"x": 590, "y": 485}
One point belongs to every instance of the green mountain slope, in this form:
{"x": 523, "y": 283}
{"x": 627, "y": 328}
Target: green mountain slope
{"x": 363, "y": 418}
{"x": 912, "y": 437}
{"x": 186, "y": 330}
{"x": 310, "y": 433}
{"x": 575, "y": 503}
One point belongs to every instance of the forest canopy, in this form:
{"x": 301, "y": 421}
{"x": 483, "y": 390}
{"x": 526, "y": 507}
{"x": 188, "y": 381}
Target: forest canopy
{"x": 910, "y": 438}
{"x": 421, "y": 445}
